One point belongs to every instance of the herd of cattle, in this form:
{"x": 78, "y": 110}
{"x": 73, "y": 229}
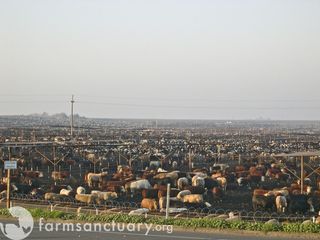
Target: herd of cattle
{"x": 273, "y": 187}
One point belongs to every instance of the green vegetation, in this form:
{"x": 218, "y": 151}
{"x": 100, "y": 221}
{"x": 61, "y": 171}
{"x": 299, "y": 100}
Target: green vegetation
{"x": 181, "y": 222}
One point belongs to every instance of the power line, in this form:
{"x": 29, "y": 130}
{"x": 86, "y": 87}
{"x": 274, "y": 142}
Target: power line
{"x": 33, "y": 95}
{"x": 200, "y": 99}
{"x": 31, "y": 101}
{"x": 196, "y": 107}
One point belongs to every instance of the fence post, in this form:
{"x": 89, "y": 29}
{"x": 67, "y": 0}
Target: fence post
{"x": 79, "y": 211}
{"x": 168, "y": 201}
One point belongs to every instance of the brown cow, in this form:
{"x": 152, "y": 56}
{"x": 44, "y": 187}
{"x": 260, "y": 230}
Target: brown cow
{"x": 150, "y": 204}
{"x": 193, "y": 198}
{"x": 163, "y": 193}
{"x": 71, "y": 162}
{"x": 33, "y": 174}
{"x": 174, "y": 203}
{"x": 114, "y": 186}
{"x": 240, "y": 168}
{"x": 259, "y": 192}
{"x": 217, "y": 194}
{"x": 60, "y": 175}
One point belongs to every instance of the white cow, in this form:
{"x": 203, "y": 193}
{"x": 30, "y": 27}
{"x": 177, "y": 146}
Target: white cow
{"x": 137, "y": 185}
{"x": 95, "y": 177}
{"x": 198, "y": 181}
{"x": 281, "y": 203}
{"x": 182, "y": 182}
{"x": 81, "y": 190}
{"x": 105, "y": 195}
{"x": 181, "y": 194}
{"x": 65, "y": 192}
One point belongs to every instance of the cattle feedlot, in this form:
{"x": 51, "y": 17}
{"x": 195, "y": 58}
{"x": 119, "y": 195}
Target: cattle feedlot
{"x": 217, "y": 174}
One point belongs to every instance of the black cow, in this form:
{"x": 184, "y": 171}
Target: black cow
{"x": 195, "y": 189}
{"x": 299, "y": 203}
{"x": 22, "y": 188}
{"x": 210, "y": 183}
{"x": 266, "y": 203}
{"x": 150, "y": 193}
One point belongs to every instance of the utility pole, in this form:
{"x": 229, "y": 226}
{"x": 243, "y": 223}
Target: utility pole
{"x": 22, "y": 135}
{"x": 302, "y": 174}
{"x": 54, "y": 162}
{"x": 71, "y": 130}
{"x": 8, "y": 180}
{"x": 190, "y": 160}
{"x": 33, "y": 136}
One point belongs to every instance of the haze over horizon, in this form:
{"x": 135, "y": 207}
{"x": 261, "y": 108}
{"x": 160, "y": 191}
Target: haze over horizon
{"x": 161, "y": 59}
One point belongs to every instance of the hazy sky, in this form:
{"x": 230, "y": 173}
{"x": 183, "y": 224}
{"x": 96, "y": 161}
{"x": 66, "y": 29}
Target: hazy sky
{"x": 198, "y": 59}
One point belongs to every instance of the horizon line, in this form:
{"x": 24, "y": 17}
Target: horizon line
{"x": 165, "y": 119}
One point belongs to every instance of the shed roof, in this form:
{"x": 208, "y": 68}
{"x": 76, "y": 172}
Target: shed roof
{"x": 299, "y": 154}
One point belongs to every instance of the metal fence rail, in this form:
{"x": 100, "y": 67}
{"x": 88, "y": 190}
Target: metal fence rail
{"x": 68, "y": 204}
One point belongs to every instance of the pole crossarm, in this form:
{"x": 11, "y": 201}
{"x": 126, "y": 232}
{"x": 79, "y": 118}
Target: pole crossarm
{"x": 54, "y": 162}
{"x": 44, "y": 156}
{"x": 292, "y": 172}
{"x": 313, "y": 170}
{"x": 123, "y": 156}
